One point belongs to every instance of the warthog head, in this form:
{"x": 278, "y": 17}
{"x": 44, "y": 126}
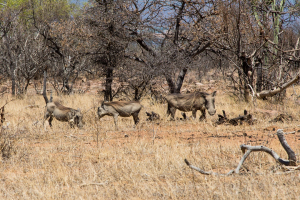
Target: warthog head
{"x": 210, "y": 103}
{"x": 76, "y": 118}
{"x": 102, "y": 111}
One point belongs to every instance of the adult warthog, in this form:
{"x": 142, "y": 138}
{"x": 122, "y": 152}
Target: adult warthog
{"x": 63, "y": 114}
{"x": 191, "y": 102}
{"x": 120, "y": 108}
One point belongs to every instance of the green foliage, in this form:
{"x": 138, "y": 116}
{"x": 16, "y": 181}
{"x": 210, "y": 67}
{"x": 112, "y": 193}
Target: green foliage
{"x": 51, "y": 10}
{"x": 44, "y": 10}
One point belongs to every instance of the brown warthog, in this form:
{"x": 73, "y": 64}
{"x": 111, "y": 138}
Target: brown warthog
{"x": 191, "y": 102}
{"x": 120, "y": 108}
{"x": 63, "y": 114}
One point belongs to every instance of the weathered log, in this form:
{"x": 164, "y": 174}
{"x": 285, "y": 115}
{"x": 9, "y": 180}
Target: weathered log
{"x": 291, "y": 154}
{"x": 222, "y": 118}
{"x": 235, "y": 121}
{"x": 282, "y": 118}
{"x": 247, "y": 149}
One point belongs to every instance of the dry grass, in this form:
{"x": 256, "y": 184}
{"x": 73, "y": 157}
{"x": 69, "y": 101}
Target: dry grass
{"x": 64, "y": 163}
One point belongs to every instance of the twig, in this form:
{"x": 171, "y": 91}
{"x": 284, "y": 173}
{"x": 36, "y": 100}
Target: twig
{"x": 87, "y": 184}
{"x": 71, "y": 136}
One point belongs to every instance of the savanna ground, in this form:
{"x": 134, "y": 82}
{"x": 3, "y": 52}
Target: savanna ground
{"x": 97, "y": 162}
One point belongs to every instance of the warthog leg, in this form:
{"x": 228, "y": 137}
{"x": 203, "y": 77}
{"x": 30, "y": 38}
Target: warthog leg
{"x": 194, "y": 111}
{"x": 116, "y": 121}
{"x": 136, "y": 118}
{"x": 47, "y": 115}
{"x": 171, "y": 110}
{"x": 50, "y": 120}
{"x": 202, "y": 117}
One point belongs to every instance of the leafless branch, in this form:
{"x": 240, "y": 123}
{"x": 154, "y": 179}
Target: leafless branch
{"x": 247, "y": 149}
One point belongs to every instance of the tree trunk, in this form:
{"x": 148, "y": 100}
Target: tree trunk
{"x": 13, "y": 78}
{"x": 180, "y": 79}
{"x": 176, "y": 88}
{"x": 276, "y": 21}
{"x": 45, "y": 86}
{"x": 108, "y": 83}
{"x": 13, "y": 84}
{"x": 259, "y": 77}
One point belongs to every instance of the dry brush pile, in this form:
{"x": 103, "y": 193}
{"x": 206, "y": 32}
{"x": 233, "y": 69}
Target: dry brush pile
{"x": 97, "y": 162}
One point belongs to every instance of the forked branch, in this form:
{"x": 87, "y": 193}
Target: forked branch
{"x": 247, "y": 149}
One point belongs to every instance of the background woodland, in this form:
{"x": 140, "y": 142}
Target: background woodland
{"x": 140, "y": 44}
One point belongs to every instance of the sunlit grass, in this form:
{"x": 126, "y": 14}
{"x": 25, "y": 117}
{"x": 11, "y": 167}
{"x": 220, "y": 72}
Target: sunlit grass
{"x": 97, "y": 162}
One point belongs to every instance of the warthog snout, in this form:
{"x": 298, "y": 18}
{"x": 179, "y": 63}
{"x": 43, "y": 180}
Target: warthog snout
{"x": 212, "y": 111}
{"x": 78, "y": 119}
{"x": 99, "y": 113}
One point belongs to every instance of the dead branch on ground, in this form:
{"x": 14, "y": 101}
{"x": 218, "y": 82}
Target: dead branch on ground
{"x": 282, "y": 118}
{"x": 235, "y": 121}
{"x": 247, "y": 149}
{"x": 152, "y": 116}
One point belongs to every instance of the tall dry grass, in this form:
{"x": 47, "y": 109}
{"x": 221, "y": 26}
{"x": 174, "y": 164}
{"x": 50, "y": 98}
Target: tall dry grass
{"x": 98, "y": 162}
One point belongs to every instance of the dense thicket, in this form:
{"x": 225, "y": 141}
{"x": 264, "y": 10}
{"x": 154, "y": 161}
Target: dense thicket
{"x": 137, "y": 43}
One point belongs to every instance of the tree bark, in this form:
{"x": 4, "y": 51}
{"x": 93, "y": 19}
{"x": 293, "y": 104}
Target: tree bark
{"x": 13, "y": 83}
{"x": 45, "y": 87}
{"x": 175, "y": 88}
{"x": 276, "y": 21}
{"x": 178, "y": 19}
{"x": 291, "y": 154}
{"x": 108, "y": 83}
{"x": 180, "y": 79}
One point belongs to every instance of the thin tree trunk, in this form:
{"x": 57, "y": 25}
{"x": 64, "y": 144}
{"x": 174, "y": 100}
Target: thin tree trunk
{"x": 175, "y": 88}
{"x": 26, "y": 86}
{"x": 45, "y": 86}
{"x": 178, "y": 19}
{"x": 108, "y": 83}
{"x": 259, "y": 77}
{"x": 13, "y": 84}
{"x": 12, "y": 77}
{"x": 276, "y": 23}
{"x": 170, "y": 84}
{"x": 180, "y": 79}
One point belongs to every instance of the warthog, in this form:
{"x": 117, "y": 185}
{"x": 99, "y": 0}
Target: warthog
{"x": 191, "y": 102}
{"x": 63, "y": 114}
{"x": 120, "y": 108}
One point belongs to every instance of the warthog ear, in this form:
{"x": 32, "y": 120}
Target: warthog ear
{"x": 78, "y": 109}
{"x": 72, "y": 114}
{"x": 214, "y": 93}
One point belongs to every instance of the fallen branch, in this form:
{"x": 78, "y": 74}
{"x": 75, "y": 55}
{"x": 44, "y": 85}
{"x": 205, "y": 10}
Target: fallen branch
{"x": 282, "y": 118}
{"x": 235, "y": 121}
{"x": 247, "y": 149}
{"x": 87, "y": 184}
{"x": 152, "y": 116}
